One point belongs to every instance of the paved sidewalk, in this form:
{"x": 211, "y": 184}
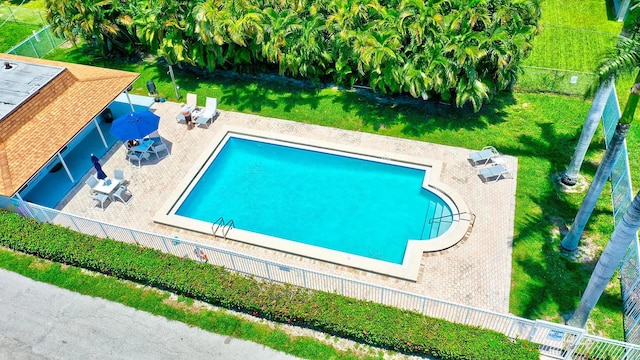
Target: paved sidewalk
{"x": 41, "y": 321}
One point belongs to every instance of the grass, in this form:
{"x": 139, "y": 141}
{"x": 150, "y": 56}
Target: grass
{"x": 29, "y": 12}
{"x": 13, "y": 33}
{"x": 181, "y": 309}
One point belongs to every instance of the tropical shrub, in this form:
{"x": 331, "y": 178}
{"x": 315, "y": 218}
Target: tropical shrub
{"x": 367, "y": 322}
{"x": 463, "y": 51}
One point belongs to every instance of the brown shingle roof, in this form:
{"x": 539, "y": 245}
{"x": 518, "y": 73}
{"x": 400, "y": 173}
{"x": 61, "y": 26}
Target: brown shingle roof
{"x": 37, "y": 130}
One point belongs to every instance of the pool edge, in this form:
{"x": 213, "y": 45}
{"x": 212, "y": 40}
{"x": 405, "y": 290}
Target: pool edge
{"x": 409, "y": 269}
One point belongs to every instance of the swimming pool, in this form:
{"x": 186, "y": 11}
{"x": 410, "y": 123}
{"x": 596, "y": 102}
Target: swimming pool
{"x": 317, "y": 200}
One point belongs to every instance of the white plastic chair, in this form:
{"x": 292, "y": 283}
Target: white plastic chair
{"x": 210, "y": 111}
{"x": 119, "y": 175}
{"x": 192, "y": 102}
{"x": 121, "y": 193}
{"x": 100, "y": 198}
{"x": 482, "y": 157}
{"x": 495, "y": 172}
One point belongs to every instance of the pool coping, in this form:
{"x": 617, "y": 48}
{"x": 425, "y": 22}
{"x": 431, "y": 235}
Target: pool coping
{"x": 408, "y": 270}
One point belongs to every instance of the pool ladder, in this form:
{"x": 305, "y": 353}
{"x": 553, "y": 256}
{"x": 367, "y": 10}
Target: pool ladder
{"x": 221, "y": 224}
{"x": 450, "y": 218}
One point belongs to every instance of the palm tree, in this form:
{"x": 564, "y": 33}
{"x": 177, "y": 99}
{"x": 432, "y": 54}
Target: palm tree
{"x": 570, "y": 176}
{"x": 620, "y": 240}
{"x": 625, "y": 58}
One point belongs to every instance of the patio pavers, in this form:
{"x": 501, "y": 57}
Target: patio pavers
{"x": 475, "y": 272}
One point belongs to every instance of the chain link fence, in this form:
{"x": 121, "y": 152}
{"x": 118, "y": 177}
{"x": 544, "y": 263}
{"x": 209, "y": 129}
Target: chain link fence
{"x": 622, "y": 195}
{"x": 565, "y": 82}
{"x": 38, "y": 45}
{"x": 20, "y": 15}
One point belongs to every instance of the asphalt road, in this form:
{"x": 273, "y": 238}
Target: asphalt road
{"x": 41, "y": 321}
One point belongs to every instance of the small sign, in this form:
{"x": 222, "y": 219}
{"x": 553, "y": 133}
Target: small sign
{"x": 574, "y": 79}
{"x": 555, "y": 335}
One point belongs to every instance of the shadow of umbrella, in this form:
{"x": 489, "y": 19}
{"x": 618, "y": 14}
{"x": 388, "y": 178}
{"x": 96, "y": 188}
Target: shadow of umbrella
{"x": 96, "y": 164}
{"x": 135, "y": 125}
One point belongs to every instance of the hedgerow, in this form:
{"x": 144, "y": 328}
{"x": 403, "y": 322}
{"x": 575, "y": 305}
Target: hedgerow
{"x": 363, "y": 321}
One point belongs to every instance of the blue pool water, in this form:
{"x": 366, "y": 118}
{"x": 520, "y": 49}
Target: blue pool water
{"x": 337, "y": 202}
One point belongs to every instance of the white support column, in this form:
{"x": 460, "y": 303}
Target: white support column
{"x": 95, "y": 120}
{"x": 65, "y": 167}
{"x": 129, "y": 99}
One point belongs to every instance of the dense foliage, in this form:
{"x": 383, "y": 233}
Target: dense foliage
{"x": 462, "y": 51}
{"x": 368, "y": 322}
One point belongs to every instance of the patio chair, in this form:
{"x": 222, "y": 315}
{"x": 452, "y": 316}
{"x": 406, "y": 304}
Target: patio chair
{"x": 91, "y": 182}
{"x": 100, "y": 198}
{"x": 123, "y": 193}
{"x": 483, "y": 156}
{"x": 119, "y": 175}
{"x": 495, "y": 172}
{"x": 136, "y": 156}
{"x": 209, "y": 112}
{"x": 157, "y": 149}
{"x": 192, "y": 102}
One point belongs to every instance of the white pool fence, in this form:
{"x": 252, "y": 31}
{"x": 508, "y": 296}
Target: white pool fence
{"x": 556, "y": 341}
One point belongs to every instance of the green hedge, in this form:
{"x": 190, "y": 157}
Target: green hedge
{"x": 363, "y": 321}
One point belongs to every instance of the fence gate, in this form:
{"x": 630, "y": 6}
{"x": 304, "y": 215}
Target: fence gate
{"x": 556, "y": 340}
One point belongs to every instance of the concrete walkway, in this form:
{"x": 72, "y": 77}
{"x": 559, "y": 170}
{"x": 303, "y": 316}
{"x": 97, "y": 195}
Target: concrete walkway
{"x": 41, "y": 321}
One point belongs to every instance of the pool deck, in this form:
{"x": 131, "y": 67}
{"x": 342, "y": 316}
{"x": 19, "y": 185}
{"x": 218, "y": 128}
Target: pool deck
{"x": 475, "y": 272}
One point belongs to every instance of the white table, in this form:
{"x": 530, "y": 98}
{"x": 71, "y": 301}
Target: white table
{"x": 107, "y": 186}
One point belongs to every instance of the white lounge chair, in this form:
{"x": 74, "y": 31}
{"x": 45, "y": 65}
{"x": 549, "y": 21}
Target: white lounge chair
{"x": 192, "y": 102}
{"x": 209, "y": 112}
{"x": 483, "y": 156}
{"x": 495, "y": 172}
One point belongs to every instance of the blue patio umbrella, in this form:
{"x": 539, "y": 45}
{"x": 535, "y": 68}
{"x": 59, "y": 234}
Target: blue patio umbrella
{"x": 96, "y": 164}
{"x": 135, "y": 125}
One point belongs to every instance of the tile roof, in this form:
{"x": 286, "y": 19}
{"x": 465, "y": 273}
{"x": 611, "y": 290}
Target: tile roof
{"x": 34, "y": 132}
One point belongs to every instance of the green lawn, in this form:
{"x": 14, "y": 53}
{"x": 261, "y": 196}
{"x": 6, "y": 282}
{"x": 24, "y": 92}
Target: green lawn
{"x": 13, "y": 33}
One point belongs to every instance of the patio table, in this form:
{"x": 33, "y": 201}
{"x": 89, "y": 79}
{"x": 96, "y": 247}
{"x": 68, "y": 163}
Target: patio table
{"x": 143, "y": 146}
{"x": 107, "y": 186}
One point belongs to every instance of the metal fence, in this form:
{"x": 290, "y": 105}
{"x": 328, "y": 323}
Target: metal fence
{"x": 621, "y": 196}
{"x": 38, "y": 45}
{"x": 567, "y": 82}
{"x": 20, "y": 15}
{"x": 556, "y": 340}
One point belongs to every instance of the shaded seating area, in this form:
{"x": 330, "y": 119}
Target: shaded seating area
{"x": 484, "y": 156}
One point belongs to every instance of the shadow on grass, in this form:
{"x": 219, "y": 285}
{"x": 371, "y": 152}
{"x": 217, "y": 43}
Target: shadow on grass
{"x": 549, "y": 280}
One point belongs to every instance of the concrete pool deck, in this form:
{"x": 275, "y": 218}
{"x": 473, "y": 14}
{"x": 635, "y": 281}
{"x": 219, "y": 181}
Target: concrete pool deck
{"x": 475, "y": 272}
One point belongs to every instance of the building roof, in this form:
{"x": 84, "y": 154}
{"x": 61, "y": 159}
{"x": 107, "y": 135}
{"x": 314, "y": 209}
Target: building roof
{"x": 20, "y": 80}
{"x": 47, "y": 118}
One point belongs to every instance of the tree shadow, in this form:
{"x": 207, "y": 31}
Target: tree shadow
{"x": 557, "y": 281}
